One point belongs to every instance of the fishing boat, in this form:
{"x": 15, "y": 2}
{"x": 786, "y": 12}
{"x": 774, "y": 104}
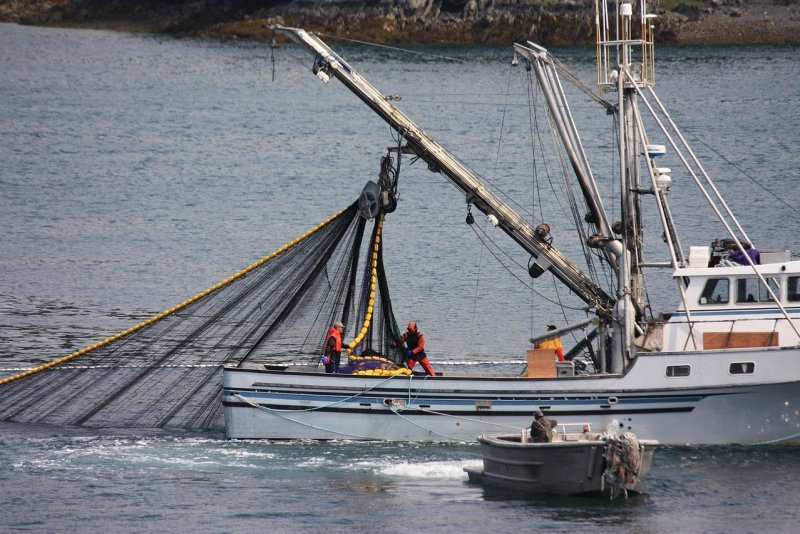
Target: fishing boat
{"x": 575, "y": 462}
{"x": 722, "y": 368}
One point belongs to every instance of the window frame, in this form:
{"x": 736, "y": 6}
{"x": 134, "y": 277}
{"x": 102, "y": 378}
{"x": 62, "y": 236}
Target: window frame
{"x": 744, "y": 366}
{"x": 708, "y": 297}
{"x": 793, "y": 297}
{"x": 675, "y": 367}
{"x": 759, "y": 291}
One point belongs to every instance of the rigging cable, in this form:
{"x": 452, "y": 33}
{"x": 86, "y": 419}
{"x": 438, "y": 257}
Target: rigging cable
{"x": 502, "y": 264}
{"x": 376, "y": 45}
{"x": 751, "y": 178}
{"x": 568, "y": 192}
{"x": 544, "y": 160}
{"x": 533, "y": 125}
{"x": 492, "y": 186}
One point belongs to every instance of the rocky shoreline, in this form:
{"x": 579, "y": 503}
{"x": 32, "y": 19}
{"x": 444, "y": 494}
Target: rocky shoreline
{"x": 549, "y": 22}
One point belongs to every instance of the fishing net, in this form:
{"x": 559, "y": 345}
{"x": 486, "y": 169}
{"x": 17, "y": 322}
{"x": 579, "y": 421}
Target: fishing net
{"x": 166, "y": 371}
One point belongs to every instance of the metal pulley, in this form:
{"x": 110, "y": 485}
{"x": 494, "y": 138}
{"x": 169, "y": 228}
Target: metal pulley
{"x": 543, "y": 231}
{"x": 382, "y": 195}
{"x": 369, "y": 202}
{"x": 470, "y": 219}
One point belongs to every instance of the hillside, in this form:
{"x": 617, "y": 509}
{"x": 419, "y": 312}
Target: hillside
{"x": 417, "y": 21}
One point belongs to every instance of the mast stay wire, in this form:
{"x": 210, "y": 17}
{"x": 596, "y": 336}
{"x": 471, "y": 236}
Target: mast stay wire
{"x": 492, "y": 186}
{"x": 533, "y": 126}
{"x": 535, "y": 134}
{"x": 487, "y": 238}
{"x": 388, "y": 47}
{"x": 567, "y": 190}
{"x": 550, "y": 180}
{"x": 744, "y": 173}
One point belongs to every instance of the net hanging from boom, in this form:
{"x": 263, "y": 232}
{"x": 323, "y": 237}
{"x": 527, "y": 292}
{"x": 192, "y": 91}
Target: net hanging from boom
{"x": 166, "y": 371}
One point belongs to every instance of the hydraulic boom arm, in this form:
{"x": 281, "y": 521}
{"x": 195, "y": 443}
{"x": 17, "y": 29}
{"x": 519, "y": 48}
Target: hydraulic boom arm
{"x": 327, "y": 63}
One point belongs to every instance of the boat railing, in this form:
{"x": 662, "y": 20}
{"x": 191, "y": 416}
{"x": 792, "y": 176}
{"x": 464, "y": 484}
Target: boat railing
{"x": 573, "y": 431}
{"x": 565, "y": 432}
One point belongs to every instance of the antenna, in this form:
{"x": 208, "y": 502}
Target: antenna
{"x": 622, "y": 43}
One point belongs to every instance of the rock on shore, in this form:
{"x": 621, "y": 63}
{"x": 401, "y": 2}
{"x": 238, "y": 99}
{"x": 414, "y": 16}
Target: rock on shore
{"x": 550, "y": 22}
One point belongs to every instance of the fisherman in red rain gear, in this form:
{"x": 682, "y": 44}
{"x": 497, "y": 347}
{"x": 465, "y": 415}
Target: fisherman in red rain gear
{"x": 333, "y": 348}
{"x": 415, "y": 352}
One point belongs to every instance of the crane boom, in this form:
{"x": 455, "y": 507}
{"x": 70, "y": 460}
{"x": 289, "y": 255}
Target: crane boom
{"x": 328, "y": 63}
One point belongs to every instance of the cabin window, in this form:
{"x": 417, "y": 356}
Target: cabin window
{"x": 793, "y": 289}
{"x": 753, "y": 290}
{"x": 674, "y": 371}
{"x": 715, "y": 292}
{"x": 742, "y": 368}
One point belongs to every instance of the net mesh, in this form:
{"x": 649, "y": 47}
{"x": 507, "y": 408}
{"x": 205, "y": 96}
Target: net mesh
{"x": 166, "y": 372}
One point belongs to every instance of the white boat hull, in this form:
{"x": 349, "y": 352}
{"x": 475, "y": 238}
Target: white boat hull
{"x": 711, "y": 406}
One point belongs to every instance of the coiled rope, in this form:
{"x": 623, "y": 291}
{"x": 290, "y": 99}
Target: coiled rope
{"x": 373, "y": 286}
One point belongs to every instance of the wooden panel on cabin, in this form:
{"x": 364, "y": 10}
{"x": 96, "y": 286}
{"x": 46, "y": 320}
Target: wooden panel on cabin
{"x": 541, "y": 363}
{"x": 739, "y": 340}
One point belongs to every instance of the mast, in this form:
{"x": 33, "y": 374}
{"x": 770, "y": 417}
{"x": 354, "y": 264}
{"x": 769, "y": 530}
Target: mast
{"x": 624, "y": 64}
{"x": 327, "y": 63}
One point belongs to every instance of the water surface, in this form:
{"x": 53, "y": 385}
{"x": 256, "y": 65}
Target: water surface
{"x": 138, "y": 170}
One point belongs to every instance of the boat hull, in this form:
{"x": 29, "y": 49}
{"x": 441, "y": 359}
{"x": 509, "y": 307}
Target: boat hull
{"x": 564, "y": 468}
{"x": 709, "y": 407}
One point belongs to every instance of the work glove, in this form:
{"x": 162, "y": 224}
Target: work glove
{"x": 409, "y": 353}
{"x": 325, "y": 360}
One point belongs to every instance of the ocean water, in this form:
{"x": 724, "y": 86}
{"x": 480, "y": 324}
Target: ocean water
{"x": 137, "y": 170}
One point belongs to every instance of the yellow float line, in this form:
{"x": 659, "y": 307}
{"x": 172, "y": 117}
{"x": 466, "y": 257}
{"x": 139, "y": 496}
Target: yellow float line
{"x": 174, "y": 309}
{"x": 372, "y": 288}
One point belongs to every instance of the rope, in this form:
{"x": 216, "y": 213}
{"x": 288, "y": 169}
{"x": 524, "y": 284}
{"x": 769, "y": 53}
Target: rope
{"x": 277, "y": 412}
{"x": 779, "y": 440}
{"x": 376, "y": 45}
{"x": 448, "y": 362}
{"x": 512, "y": 260}
{"x": 745, "y": 174}
{"x": 430, "y": 431}
{"x": 166, "y": 366}
{"x": 351, "y": 397}
{"x": 174, "y": 309}
{"x": 396, "y": 411}
{"x": 426, "y": 410}
{"x": 372, "y": 288}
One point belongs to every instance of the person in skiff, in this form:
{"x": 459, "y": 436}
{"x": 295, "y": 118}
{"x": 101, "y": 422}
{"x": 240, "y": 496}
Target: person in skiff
{"x": 415, "y": 351}
{"x": 553, "y": 343}
{"x": 333, "y": 348}
{"x": 542, "y": 428}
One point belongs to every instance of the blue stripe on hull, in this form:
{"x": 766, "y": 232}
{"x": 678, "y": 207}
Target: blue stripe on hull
{"x": 481, "y": 413}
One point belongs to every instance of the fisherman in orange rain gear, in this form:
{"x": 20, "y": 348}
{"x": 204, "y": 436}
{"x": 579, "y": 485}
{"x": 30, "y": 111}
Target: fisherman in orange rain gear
{"x": 553, "y": 343}
{"x": 333, "y": 348}
{"x": 415, "y": 352}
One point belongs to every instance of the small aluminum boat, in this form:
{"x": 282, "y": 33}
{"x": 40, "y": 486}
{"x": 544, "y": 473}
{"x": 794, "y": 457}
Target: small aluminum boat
{"x": 575, "y": 462}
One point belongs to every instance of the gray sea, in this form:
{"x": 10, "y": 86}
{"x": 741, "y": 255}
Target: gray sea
{"x": 137, "y": 170}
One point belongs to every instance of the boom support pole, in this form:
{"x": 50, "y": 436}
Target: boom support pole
{"x": 328, "y": 63}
